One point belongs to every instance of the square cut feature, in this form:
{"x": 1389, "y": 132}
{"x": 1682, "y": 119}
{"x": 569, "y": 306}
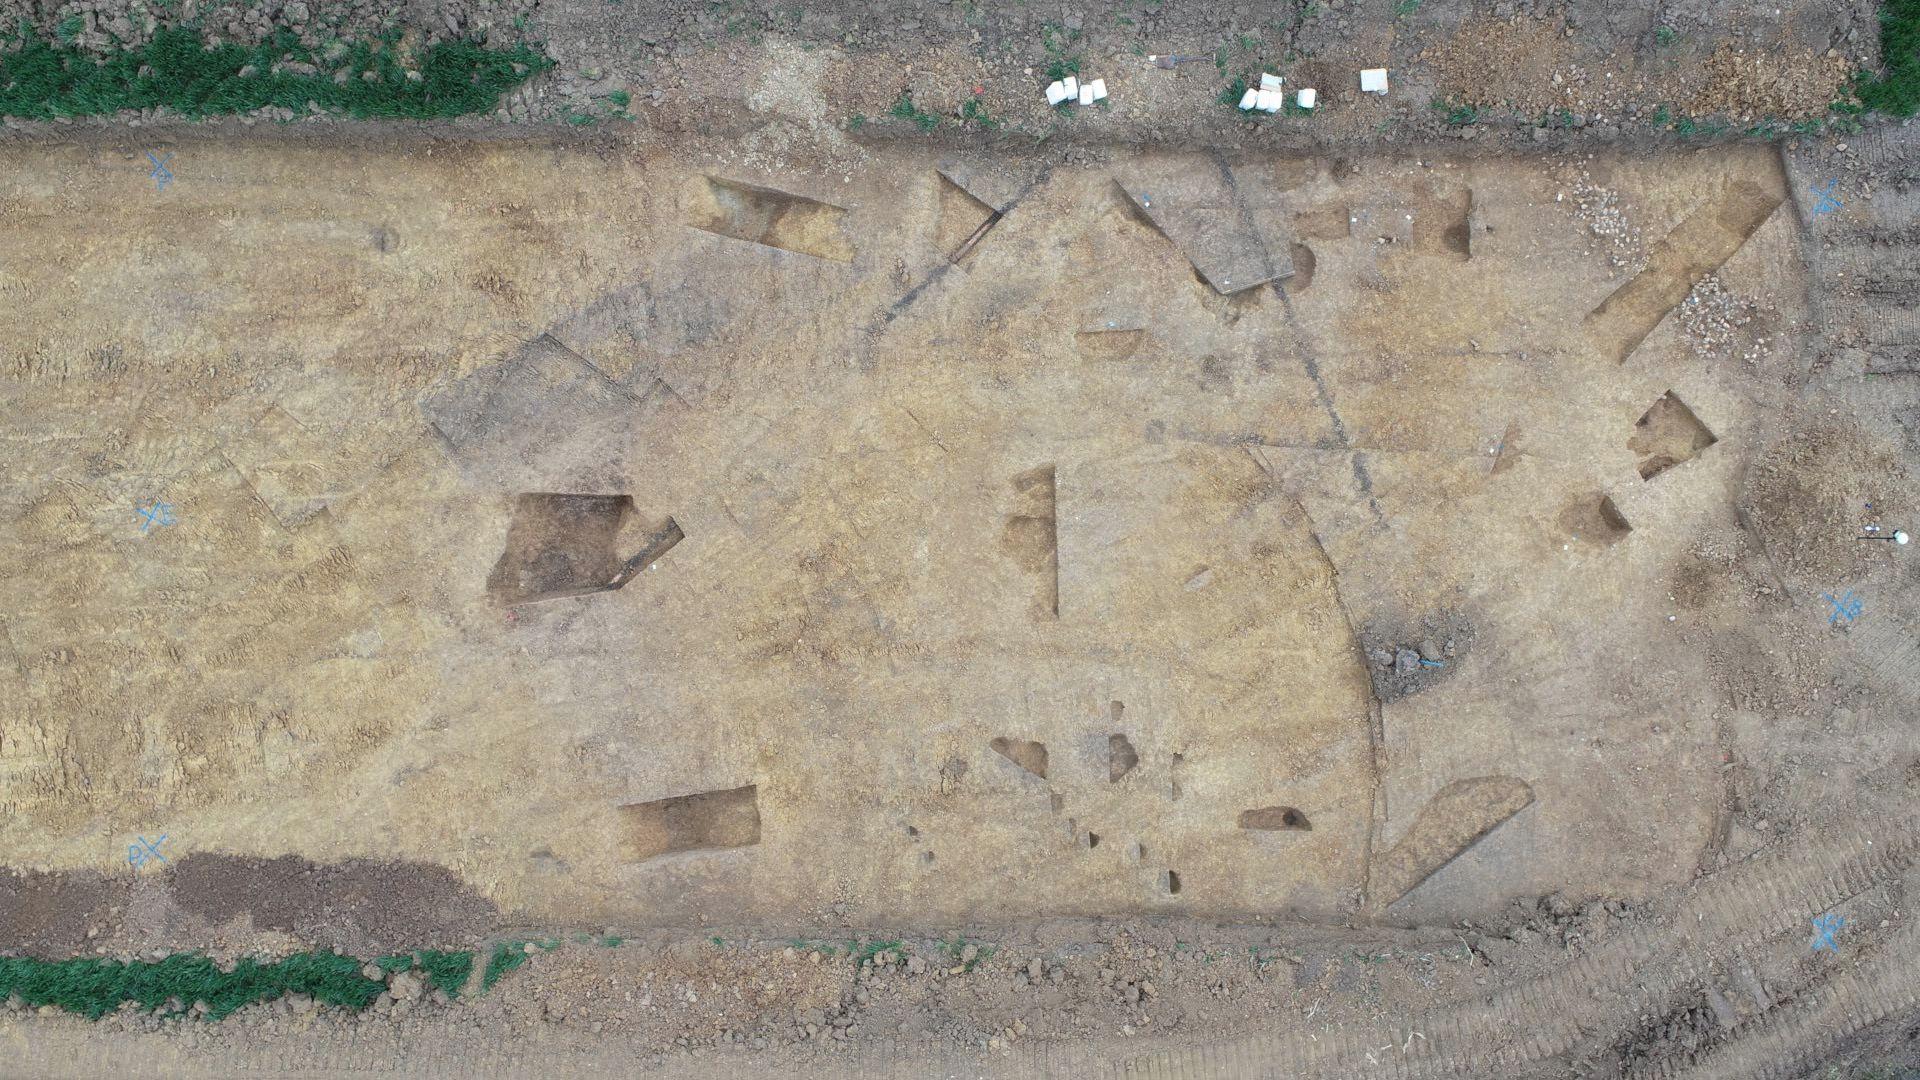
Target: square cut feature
{"x": 704, "y": 821}
{"x": 562, "y": 545}
{"x": 1668, "y": 435}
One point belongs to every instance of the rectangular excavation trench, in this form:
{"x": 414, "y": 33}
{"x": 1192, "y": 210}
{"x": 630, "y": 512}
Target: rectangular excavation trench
{"x": 703, "y": 821}
{"x": 775, "y": 219}
{"x": 1695, "y": 248}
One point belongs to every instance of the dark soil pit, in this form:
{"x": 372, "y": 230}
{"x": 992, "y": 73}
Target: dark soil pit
{"x": 1668, "y": 434}
{"x": 568, "y": 545}
{"x": 1406, "y": 660}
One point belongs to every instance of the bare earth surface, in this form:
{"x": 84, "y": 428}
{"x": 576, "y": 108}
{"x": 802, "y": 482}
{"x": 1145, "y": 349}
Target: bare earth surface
{"x": 1124, "y": 593}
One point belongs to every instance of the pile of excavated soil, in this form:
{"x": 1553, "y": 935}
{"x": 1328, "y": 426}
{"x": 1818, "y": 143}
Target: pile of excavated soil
{"x": 104, "y": 26}
{"x": 979, "y": 69}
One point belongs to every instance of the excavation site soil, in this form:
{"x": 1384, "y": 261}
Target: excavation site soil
{"x": 796, "y": 600}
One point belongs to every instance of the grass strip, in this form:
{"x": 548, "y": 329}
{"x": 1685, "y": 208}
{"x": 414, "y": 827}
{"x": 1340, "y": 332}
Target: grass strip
{"x": 178, "y": 70}
{"x": 1896, "y": 93}
{"x": 94, "y": 987}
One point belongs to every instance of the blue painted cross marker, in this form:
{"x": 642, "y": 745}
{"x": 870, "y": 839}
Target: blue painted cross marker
{"x": 1824, "y": 927}
{"x": 158, "y": 514}
{"x": 1846, "y": 607}
{"x": 1827, "y": 204}
{"x": 140, "y": 854}
{"x": 162, "y": 176}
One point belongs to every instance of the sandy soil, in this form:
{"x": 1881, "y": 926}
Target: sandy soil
{"x": 916, "y": 592}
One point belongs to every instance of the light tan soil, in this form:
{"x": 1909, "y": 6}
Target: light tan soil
{"x": 814, "y": 550}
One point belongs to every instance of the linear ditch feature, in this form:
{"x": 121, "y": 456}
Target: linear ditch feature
{"x": 1695, "y": 248}
{"x": 775, "y": 219}
{"x": 703, "y": 821}
{"x": 1456, "y": 818}
{"x": 964, "y": 220}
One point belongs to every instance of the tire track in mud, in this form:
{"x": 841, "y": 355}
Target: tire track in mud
{"x": 1548, "y": 1017}
{"x": 1798, "y": 1037}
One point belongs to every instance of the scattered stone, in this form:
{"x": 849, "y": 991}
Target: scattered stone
{"x": 1405, "y": 662}
{"x": 1599, "y": 210}
{"x": 1716, "y": 323}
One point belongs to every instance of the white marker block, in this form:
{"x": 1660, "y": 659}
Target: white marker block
{"x": 1056, "y": 93}
{"x": 1086, "y": 93}
{"x": 1269, "y": 81}
{"x": 1307, "y": 96}
{"x": 1249, "y": 99}
{"x": 1099, "y": 89}
{"x": 1270, "y": 101}
{"x": 1073, "y": 88}
{"x": 1373, "y": 81}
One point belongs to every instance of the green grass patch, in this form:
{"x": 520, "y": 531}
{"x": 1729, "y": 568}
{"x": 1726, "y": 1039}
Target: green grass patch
{"x": 95, "y": 987}
{"x": 971, "y": 111}
{"x": 178, "y": 70}
{"x": 904, "y": 109}
{"x": 1057, "y": 40}
{"x": 1404, "y": 8}
{"x": 871, "y": 949}
{"x": 956, "y": 950}
{"x": 507, "y": 955}
{"x": 446, "y": 972}
{"x": 1457, "y": 115}
{"x": 1704, "y": 127}
{"x": 824, "y": 948}
{"x": 1897, "y": 92}
{"x": 1665, "y": 36}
